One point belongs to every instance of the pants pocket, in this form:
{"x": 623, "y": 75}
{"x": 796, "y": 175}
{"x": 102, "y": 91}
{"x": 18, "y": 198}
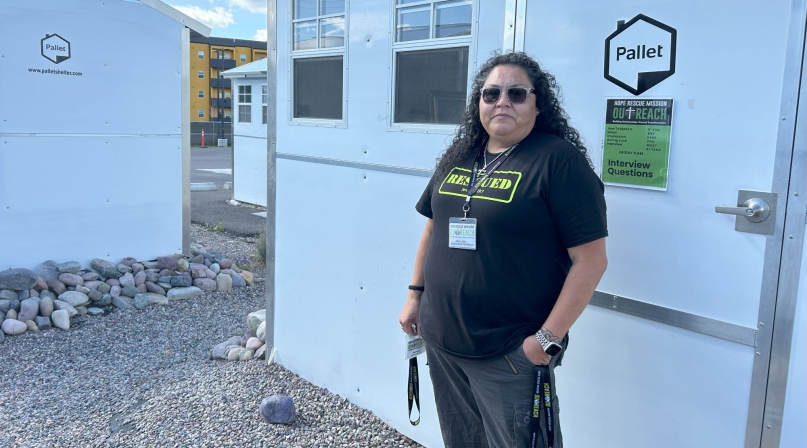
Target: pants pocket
{"x": 511, "y": 365}
{"x": 522, "y": 415}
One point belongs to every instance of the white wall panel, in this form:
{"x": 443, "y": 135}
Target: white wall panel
{"x": 129, "y": 56}
{"x": 249, "y": 170}
{"x": 345, "y": 245}
{"x": 87, "y": 197}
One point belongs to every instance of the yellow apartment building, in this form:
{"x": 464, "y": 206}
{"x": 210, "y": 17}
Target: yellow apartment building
{"x": 211, "y": 96}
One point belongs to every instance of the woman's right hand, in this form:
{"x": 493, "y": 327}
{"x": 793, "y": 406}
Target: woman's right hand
{"x": 409, "y": 318}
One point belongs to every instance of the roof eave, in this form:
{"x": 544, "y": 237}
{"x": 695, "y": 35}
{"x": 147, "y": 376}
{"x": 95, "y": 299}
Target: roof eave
{"x": 169, "y": 11}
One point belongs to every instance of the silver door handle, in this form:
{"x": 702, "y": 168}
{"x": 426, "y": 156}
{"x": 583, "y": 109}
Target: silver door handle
{"x": 754, "y": 209}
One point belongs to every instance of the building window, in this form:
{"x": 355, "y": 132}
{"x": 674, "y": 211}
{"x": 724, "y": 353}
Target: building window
{"x": 226, "y": 114}
{"x": 243, "y": 58}
{"x": 201, "y": 113}
{"x": 245, "y": 104}
{"x": 200, "y": 54}
{"x": 201, "y": 74}
{"x": 263, "y": 102}
{"x": 201, "y": 94}
{"x": 226, "y": 55}
{"x": 434, "y": 37}
{"x": 318, "y": 51}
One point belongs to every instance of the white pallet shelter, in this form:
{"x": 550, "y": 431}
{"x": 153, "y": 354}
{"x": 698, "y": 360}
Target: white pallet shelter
{"x": 94, "y": 137}
{"x": 249, "y": 132}
{"x": 696, "y": 336}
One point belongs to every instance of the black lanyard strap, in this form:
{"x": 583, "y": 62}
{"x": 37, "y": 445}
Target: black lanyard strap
{"x": 414, "y": 389}
{"x": 473, "y": 186}
{"x": 542, "y": 433}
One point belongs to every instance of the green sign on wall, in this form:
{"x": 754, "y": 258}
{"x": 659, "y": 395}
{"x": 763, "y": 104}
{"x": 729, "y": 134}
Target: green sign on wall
{"x": 636, "y": 147}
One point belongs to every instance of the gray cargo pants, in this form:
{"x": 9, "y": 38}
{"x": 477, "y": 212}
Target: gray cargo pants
{"x": 486, "y": 403}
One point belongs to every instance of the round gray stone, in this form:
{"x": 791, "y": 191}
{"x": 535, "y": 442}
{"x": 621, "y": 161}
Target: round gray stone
{"x": 75, "y": 298}
{"x": 29, "y": 309}
{"x": 71, "y": 267}
{"x": 278, "y": 409}
{"x": 61, "y": 319}
{"x": 18, "y": 279}
{"x": 46, "y": 307}
{"x": 71, "y": 279}
{"x": 13, "y": 327}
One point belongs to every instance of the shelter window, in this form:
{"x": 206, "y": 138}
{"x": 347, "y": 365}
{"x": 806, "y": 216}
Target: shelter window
{"x": 200, "y": 54}
{"x": 201, "y": 94}
{"x": 201, "y": 113}
{"x": 263, "y": 102}
{"x": 319, "y": 32}
{"x": 245, "y": 104}
{"x": 431, "y": 61}
{"x": 243, "y": 58}
{"x": 201, "y": 74}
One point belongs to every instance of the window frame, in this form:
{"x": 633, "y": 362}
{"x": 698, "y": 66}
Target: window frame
{"x": 200, "y": 74}
{"x": 239, "y": 103}
{"x": 437, "y": 43}
{"x": 200, "y": 54}
{"x": 313, "y": 54}
{"x": 200, "y": 113}
{"x": 242, "y": 57}
{"x": 200, "y": 93}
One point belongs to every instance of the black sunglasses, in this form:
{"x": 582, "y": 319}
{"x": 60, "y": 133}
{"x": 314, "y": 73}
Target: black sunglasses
{"x": 514, "y": 94}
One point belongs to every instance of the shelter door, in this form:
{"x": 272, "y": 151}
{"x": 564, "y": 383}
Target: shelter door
{"x": 710, "y": 275}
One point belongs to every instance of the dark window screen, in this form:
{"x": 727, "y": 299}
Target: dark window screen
{"x": 431, "y": 86}
{"x": 318, "y": 88}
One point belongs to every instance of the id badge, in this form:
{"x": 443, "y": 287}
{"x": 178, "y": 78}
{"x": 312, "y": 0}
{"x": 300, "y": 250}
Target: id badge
{"x": 414, "y": 346}
{"x": 462, "y": 233}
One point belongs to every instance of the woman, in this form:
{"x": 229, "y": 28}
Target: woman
{"x": 511, "y": 254}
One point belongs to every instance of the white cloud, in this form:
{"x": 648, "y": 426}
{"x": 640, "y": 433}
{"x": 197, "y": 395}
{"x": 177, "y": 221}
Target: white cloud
{"x": 260, "y": 35}
{"x": 250, "y": 5}
{"x": 217, "y": 17}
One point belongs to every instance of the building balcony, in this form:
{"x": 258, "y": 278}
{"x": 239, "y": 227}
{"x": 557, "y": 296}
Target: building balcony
{"x": 223, "y": 83}
{"x": 222, "y": 64}
{"x": 221, "y": 102}
{"x": 222, "y": 119}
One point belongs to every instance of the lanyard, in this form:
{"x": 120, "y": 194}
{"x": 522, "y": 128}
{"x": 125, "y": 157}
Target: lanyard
{"x": 542, "y": 401}
{"x": 414, "y": 389}
{"x": 473, "y": 186}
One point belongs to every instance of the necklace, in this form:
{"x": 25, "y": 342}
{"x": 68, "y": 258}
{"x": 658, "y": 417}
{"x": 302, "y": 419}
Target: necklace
{"x": 482, "y": 172}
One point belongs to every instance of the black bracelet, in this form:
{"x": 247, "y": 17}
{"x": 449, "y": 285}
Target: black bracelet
{"x": 416, "y": 288}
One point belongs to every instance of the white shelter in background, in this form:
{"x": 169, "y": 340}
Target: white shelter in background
{"x": 249, "y": 132}
{"x": 94, "y": 136}
{"x": 697, "y": 335}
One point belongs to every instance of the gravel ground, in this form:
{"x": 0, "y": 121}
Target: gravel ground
{"x": 143, "y": 379}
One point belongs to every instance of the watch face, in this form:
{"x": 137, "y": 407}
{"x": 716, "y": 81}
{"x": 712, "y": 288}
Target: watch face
{"x": 553, "y": 349}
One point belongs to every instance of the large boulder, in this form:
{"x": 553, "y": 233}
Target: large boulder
{"x": 184, "y": 293}
{"x": 18, "y": 279}
{"x": 254, "y": 320}
{"x": 75, "y": 298}
{"x": 278, "y": 409}
{"x": 106, "y": 268}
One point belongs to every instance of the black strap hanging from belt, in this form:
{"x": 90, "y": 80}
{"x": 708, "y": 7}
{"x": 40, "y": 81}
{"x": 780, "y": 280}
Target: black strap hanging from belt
{"x": 414, "y": 389}
{"x": 542, "y": 401}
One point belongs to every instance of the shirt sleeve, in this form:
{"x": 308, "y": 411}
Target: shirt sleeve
{"x": 424, "y": 205}
{"x": 577, "y": 203}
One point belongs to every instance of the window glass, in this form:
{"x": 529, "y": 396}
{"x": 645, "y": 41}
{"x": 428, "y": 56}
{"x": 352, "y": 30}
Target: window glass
{"x": 332, "y": 32}
{"x": 201, "y": 113}
{"x": 245, "y": 113}
{"x": 201, "y": 74}
{"x": 439, "y": 98}
{"x": 305, "y": 8}
{"x": 305, "y": 35}
{"x": 328, "y": 7}
{"x": 201, "y": 94}
{"x": 413, "y": 23}
{"x": 318, "y": 88}
{"x": 452, "y": 19}
{"x": 201, "y": 54}
{"x": 244, "y": 94}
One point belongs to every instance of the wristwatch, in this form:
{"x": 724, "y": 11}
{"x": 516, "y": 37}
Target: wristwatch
{"x": 550, "y": 348}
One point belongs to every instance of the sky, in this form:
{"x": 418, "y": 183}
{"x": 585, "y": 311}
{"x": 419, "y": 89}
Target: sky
{"x": 238, "y": 19}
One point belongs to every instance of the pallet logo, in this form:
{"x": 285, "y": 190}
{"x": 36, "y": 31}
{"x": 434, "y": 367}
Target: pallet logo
{"x": 55, "y": 48}
{"x": 640, "y": 54}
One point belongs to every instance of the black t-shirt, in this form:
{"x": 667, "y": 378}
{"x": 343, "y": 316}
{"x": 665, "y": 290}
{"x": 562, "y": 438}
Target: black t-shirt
{"x": 541, "y": 201}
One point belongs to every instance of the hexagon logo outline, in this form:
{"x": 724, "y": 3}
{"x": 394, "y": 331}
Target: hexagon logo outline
{"x": 52, "y": 51}
{"x": 646, "y": 80}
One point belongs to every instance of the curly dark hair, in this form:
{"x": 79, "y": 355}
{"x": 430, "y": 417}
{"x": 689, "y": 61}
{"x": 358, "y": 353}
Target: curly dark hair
{"x": 552, "y": 119}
